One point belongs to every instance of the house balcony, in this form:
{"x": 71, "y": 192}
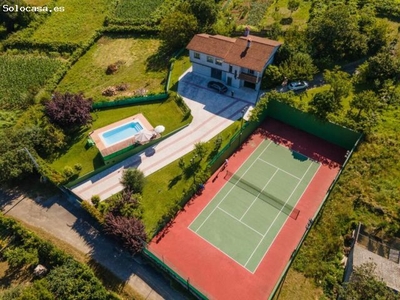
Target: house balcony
{"x": 248, "y": 77}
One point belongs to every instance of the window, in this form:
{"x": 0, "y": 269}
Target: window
{"x": 210, "y": 59}
{"x": 251, "y": 72}
{"x": 218, "y": 62}
{"x": 196, "y": 55}
{"x": 230, "y": 69}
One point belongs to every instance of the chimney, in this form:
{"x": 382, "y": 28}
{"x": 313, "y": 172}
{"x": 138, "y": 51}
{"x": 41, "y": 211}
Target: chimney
{"x": 248, "y": 43}
{"x": 247, "y": 31}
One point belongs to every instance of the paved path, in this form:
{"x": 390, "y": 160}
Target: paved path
{"x": 211, "y": 112}
{"x": 71, "y": 224}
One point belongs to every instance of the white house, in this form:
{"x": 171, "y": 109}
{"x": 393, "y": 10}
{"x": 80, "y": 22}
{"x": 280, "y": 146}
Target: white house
{"x": 236, "y": 61}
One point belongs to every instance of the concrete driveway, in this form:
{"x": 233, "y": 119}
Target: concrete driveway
{"x": 212, "y": 113}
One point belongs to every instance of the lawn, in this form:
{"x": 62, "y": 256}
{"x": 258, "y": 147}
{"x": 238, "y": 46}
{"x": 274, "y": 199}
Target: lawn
{"x": 171, "y": 183}
{"x": 166, "y": 113}
{"x": 37, "y": 2}
{"x": 181, "y": 64}
{"x": 76, "y": 24}
{"x": 279, "y": 11}
{"x": 131, "y": 54}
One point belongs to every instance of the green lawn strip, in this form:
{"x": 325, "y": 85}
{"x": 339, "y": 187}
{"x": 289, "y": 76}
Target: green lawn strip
{"x": 181, "y": 64}
{"x": 166, "y": 113}
{"x": 77, "y": 23}
{"x": 37, "y": 2}
{"x": 131, "y": 54}
{"x": 165, "y": 188}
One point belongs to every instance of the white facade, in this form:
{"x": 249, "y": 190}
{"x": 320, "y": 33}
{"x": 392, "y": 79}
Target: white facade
{"x": 231, "y": 75}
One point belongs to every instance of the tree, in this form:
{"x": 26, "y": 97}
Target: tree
{"x": 340, "y": 83}
{"x": 323, "y": 103}
{"x": 129, "y": 231}
{"x": 365, "y": 101}
{"x": 133, "y": 180}
{"x": 177, "y": 28}
{"x": 298, "y": 66}
{"x": 272, "y": 77}
{"x": 293, "y": 5}
{"x": 125, "y": 204}
{"x": 69, "y": 111}
{"x": 200, "y": 149}
{"x": 205, "y": 11}
{"x": 389, "y": 93}
{"x": 364, "y": 284}
{"x": 335, "y": 34}
{"x": 14, "y": 19}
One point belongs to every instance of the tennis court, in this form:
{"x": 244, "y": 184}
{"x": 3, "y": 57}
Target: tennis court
{"x": 246, "y": 215}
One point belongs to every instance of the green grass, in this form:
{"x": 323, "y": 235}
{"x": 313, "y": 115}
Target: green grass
{"x": 37, "y": 2}
{"x": 77, "y": 23}
{"x": 181, "y": 64}
{"x": 89, "y": 73}
{"x": 23, "y": 76}
{"x": 278, "y": 10}
{"x": 136, "y": 9}
{"x": 8, "y": 118}
{"x": 166, "y": 113}
{"x": 164, "y": 189}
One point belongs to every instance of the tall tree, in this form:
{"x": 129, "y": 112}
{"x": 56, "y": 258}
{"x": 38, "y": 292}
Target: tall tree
{"x": 323, "y": 103}
{"x": 13, "y": 20}
{"x": 298, "y": 66}
{"x": 133, "y": 180}
{"x": 205, "y": 11}
{"x": 177, "y": 29}
{"x": 365, "y": 101}
{"x": 340, "y": 83}
{"x": 335, "y": 34}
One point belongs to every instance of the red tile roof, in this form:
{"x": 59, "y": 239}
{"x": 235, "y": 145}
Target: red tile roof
{"x": 234, "y": 51}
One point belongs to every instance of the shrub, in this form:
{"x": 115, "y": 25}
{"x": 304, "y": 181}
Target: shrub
{"x": 78, "y": 167}
{"x": 95, "y": 200}
{"x": 69, "y": 110}
{"x": 68, "y": 171}
{"x": 133, "y": 180}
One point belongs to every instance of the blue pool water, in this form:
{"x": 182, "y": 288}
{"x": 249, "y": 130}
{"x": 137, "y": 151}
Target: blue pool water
{"x": 121, "y": 133}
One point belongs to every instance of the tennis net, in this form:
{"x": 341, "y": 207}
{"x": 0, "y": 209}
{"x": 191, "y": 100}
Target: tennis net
{"x": 262, "y": 195}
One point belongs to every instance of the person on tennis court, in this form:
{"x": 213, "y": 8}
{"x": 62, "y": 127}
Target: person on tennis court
{"x": 226, "y": 163}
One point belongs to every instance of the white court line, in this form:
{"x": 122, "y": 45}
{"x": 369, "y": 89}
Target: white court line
{"x": 279, "y": 169}
{"x": 230, "y": 188}
{"x": 219, "y": 249}
{"x": 283, "y": 225}
{"x": 232, "y": 216}
{"x": 255, "y": 199}
{"x": 278, "y": 215}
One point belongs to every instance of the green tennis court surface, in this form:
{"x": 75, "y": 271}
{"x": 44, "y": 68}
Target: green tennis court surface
{"x": 246, "y": 215}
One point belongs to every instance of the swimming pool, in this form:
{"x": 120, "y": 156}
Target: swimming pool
{"x": 121, "y": 133}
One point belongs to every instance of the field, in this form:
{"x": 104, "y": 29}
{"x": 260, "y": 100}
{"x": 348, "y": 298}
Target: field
{"x": 135, "y": 9}
{"x": 131, "y": 54}
{"x": 166, "y": 113}
{"x": 37, "y": 2}
{"x": 23, "y": 77}
{"x": 76, "y": 24}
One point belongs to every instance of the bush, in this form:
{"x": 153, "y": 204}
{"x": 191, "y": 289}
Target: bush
{"x": 133, "y": 180}
{"x": 69, "y": 110}
{"x": 68, "y": 171}
{"x": 78, "y": 167}
{"x": 95, "y": 200}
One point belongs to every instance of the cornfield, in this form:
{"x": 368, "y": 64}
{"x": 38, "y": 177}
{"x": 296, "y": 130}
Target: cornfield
{"x": 21, "y": 77}
{"x": 136, "y": 9}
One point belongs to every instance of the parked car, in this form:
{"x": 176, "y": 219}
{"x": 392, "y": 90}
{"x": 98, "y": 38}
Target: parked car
{"x": 218, "y": 86}
{"x": 297, "y": 85}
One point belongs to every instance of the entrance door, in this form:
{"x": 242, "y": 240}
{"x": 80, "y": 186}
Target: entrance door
{"x": 215, "y": 73}
{"x": 229, "y": 81}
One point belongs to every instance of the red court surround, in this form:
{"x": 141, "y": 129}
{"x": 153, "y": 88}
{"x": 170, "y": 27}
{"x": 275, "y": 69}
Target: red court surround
{"x": 211, "y": 271}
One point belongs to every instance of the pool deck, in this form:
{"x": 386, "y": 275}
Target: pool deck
{"x": 104, "y": 150}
